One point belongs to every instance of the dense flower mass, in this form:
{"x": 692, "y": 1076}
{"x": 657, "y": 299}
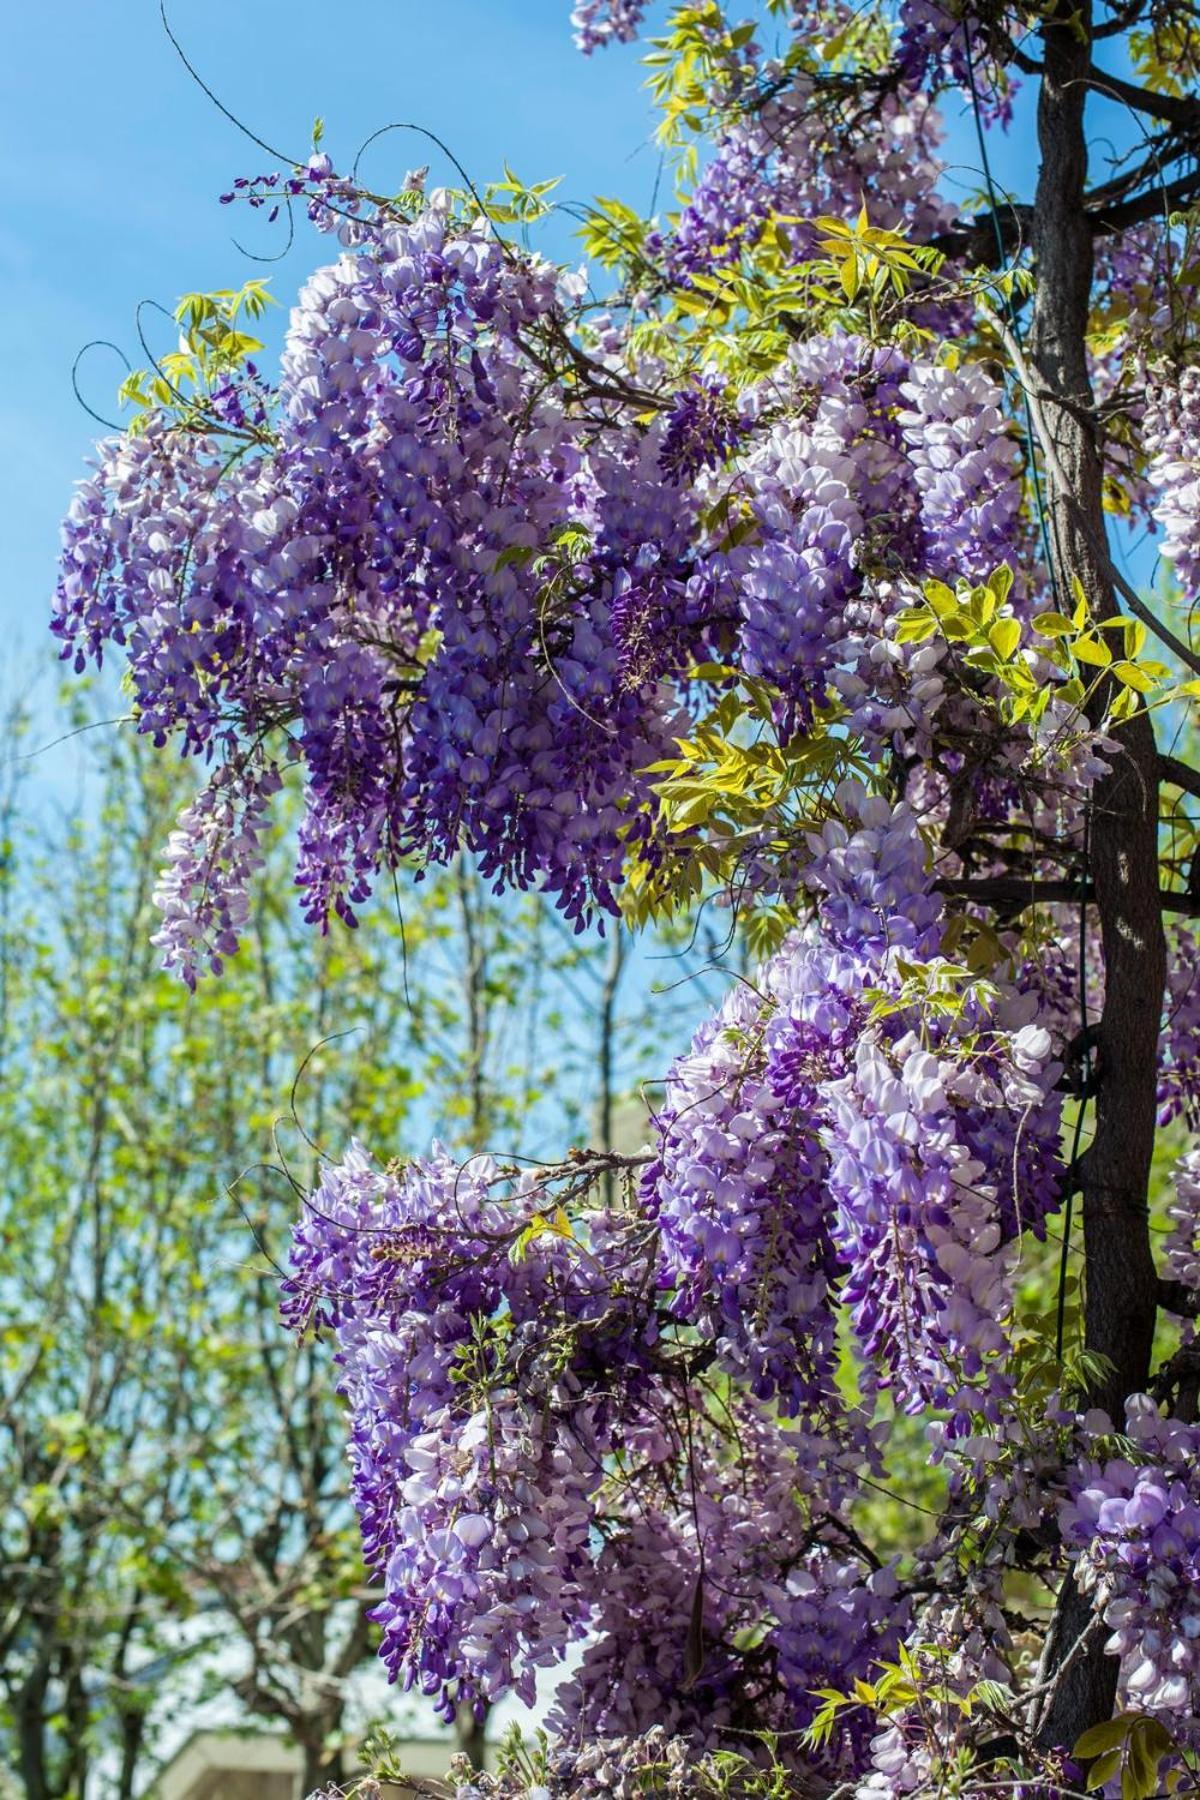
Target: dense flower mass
{"x": 490, "y": 663}
{"x": 501, "y": 1381}
{"x": 796, "y": 156}
{"x": 1134, "y": 1521}
{"x": 303, "y": 583}
{"x": 474, "y": 1499}
{"x": 812, "y": 1144}
{"x": 1172, "y": 424}
{"x": 503, "y": 1385}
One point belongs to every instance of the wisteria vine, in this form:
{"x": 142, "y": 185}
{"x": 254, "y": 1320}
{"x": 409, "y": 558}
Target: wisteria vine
{"x": 730, "y": 586}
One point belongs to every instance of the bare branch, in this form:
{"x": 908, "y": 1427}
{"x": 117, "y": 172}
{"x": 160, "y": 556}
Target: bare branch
{"x": 1015, "y": 894}
{"x": 1179, "y": 774}
{"x": 1137, "y": 606}
{"x": 1176, "y": 1297}
{"x": 1181, "y": 111}
{"x": 1155, "y": 203}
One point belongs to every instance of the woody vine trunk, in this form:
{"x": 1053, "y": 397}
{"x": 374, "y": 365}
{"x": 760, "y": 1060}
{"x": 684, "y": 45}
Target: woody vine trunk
{"x": 1113, "y": 1179}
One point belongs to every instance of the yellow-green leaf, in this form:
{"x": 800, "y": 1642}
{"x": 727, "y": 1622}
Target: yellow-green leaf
{"x": 1132, "y": 676}
{"x": 1004, "y": 636}
{"x": 1093, "y": 650}
{"x": 1104, "y": 1736}
{"x": 1103, "y": 1770}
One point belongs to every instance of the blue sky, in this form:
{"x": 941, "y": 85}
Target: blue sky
{"x": 114, "y": 160}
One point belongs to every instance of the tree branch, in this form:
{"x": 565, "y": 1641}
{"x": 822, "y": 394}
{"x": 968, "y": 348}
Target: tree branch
{"x": 1153, "y": 204}
{"x": 1182, "y": 112}
{"x": 1176, "y": 1297}
{"x": 988, "y": 239}
{"x": 1015, "y": 893}
{"x": 1137, "y": 606}
{"x": 1179, "y": 774}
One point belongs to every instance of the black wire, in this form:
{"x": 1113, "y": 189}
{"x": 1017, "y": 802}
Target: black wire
{"x": 279, "y": 155}
{"x": 97, "y": 344}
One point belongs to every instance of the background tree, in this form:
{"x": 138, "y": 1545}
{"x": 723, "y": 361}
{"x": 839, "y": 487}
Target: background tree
{"x": 173, "y": 1468}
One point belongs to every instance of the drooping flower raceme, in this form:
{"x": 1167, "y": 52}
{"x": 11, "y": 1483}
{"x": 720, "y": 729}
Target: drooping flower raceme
{"x": 1171, "y": 425}
{"x": 474, "y": 1497}
{"x": 815, "y": 1144}
{"x": 1134, "y": 1524}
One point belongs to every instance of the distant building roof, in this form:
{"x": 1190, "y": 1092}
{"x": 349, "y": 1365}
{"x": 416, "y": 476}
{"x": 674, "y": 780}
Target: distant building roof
{"x": 260, "y": 1765}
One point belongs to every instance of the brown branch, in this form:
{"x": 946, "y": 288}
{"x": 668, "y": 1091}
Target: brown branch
{"x": 1179, "y": 774}
{"x": 1159, "y": 154}
{"x": 1121, "y": 20}
{"x": 1107, "y": 221}
{"x": 988, "y": 239}
{"x": 1014, "y": 893}
{"x": 1176, "y": 1297}
{"x": 1183, "y": 112}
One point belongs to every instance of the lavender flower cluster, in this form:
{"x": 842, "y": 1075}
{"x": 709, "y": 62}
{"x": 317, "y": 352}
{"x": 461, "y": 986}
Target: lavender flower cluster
{"x": 1133, "y": 1523}
{"x": 796, "y": 156}
{"x": 816, "y": 1150}
{"x": 599, "y": 22}
{"x": 518, "y": 1444}
{"x": 465, "y": 607}
{"x": 473, "y": 1492}
{"x": 368, "y": 578}
{"x": 1170, "y": 424}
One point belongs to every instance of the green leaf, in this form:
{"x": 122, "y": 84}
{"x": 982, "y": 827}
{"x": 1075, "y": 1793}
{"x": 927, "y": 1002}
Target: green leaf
{"x": 942, "y": 599}
{"x": 915, "y": 628}
{"x": 1104, "y": 1736}
{"x": 1000, "y": 581}
{"x": 1094, "y": 650}
{"x": 1004, "y": 636}
{"x": 1103, "y": 1770}
{"x": 1132, "y": 676}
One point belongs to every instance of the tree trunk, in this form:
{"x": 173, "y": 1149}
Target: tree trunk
{"x": 1120, "y": 1301}
{"x": 321, "y": 1766}
{"x": 471, "y": 1735}
{"x": 605, "y": 1096}
{"x": 29, "y": 1716}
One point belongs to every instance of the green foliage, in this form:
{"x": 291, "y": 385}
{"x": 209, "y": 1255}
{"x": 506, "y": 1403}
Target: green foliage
{"x": 1093, "y": 655}
{"x": 1165, "y": 50}
{"x": 733, "y": 791}
{"x": 212, "y": 348}
{"x": 515, "y": 202}
{"x": 1132, "y": 1747}
{"x": 743, "y": 315}
{"x": 613, "y": 234}
{"x": 919, "y": 1678}
{"x": 871, "y": 262}
{"x": 698, "y": 56}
